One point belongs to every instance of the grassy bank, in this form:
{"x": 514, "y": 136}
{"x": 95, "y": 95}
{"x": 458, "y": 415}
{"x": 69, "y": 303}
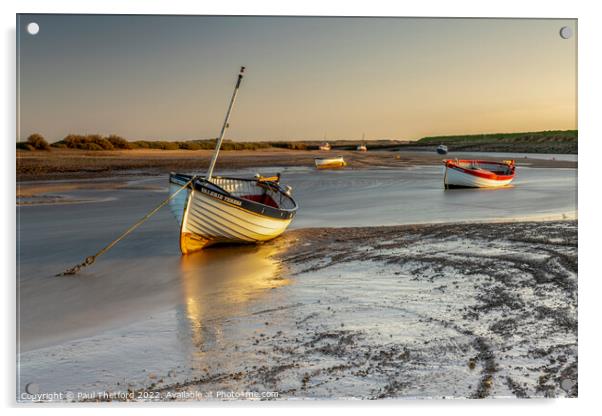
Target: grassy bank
{"x": 553, "y": 141}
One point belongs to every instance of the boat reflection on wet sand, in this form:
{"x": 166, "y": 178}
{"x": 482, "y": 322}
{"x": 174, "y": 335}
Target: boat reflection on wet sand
{"x": 200, "y": 326}
{"x": 219, "y": 284}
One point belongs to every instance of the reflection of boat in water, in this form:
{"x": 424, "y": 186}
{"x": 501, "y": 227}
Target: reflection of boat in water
{"x": 330, "y": 162}
{"x": 478, "y": 173}
{"x": 442, "y": 149}
{"x": 229, "y": 210}
{"x": 219, "y": 285}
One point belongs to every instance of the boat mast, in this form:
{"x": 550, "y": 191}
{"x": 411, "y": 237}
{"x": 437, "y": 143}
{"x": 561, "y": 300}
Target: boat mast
{"x": 218, "y": 145}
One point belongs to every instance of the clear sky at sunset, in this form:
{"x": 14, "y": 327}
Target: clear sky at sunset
{"x": 170, "y": 77}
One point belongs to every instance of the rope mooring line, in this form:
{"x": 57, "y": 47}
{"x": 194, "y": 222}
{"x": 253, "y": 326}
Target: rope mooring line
{"x": 91, "y": 259}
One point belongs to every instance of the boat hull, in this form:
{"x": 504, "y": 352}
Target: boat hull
{"x": 208, "y": 216}
{"x": 332, "y": 163}
{"x": 457, "y": 176}
{"x": 208, "y": 220}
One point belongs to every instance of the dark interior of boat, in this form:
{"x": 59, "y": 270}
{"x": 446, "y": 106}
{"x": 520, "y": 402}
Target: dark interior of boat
{"x": 264, "y": 199}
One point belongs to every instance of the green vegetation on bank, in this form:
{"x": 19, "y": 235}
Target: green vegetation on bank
{"x": 541, "y": 136}
{"x": 554, "y": 141}
{"x": 114, "y": 142}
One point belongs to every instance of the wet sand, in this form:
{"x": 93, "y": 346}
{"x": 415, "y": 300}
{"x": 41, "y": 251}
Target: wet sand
{"x": 65, "y": 164}
{"x": 454, "y": 311}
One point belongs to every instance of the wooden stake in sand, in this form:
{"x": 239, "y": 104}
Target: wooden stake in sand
{"x": 91, "y": 259}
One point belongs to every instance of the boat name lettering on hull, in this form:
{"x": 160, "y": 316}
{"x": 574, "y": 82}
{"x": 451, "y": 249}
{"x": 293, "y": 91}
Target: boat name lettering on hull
{"x": 221, "y": 197}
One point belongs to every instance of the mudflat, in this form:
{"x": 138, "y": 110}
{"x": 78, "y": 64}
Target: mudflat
{"x": 69, "y": 164}
{"x": 448, "y": 310}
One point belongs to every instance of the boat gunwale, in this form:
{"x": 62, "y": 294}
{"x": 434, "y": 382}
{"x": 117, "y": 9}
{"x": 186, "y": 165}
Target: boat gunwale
{"x": 481, "y": 173}
{"x": 330, "y": 158}
{"x": 330, "y": 162}
{"x": 246, "y": 204}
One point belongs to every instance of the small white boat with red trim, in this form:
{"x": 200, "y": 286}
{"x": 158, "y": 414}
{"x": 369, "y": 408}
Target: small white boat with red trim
{"x": 478, "y": 173}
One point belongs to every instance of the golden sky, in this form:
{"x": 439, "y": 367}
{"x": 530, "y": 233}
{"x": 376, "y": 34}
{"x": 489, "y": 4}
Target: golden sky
{"x": 170, "y": 77}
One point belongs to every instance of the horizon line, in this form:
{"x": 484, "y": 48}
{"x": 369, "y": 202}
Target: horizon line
{"x": 300, "y": 139}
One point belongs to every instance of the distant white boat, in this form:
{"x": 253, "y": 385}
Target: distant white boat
{"x": 442, "y": 149}
{"x": 362, "y": 147}
{"x": 324, "y": 146}
{"x": 478, "y": 173}
{"x": 330, "y": 163}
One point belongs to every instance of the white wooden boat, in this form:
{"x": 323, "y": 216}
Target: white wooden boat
{"x": 442, "y": 149}
{"x": 324, "y": 146}
{"x": 478, "y": 173}
{"x": 230, "y": 210}
{"x": 362, "y": 146}
{"x": 330, "y": 162}
{"x": 215, "y": 210}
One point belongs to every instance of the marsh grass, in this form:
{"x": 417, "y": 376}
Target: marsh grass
{"x": 552, "y": 141}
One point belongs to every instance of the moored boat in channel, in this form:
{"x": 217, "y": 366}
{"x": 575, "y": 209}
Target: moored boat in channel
{"x": 216, "y": 209}
{"x": 442, "y": 149}
{"x": 330, "y": 162}
{"x": 478, "y": 173}
{"x": 230, "y": 210}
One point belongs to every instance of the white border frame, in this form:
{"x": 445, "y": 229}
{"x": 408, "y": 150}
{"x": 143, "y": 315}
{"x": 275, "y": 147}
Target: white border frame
{"x": 589, "y": 127}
